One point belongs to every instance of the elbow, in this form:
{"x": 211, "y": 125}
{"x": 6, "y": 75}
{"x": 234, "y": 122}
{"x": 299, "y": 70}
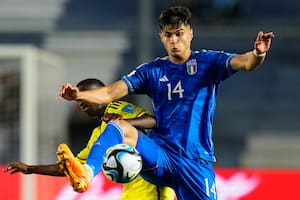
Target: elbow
{"x": 252, "y": 66}
{"x": 153, "y": 123}
{"x": 247, "y": 62}
{"x": 249, "y": 68}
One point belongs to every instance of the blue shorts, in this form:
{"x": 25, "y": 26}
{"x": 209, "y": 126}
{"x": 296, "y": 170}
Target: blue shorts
{"x": 191, "y": 179}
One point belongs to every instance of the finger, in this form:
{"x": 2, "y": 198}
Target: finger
{"x": 9, "y": 167}
{"x": 14, "y": 171}
{"x": 267, "y": 36}
{"x": 270, "y": 35}
{"x": 68, "y": 85}
{"x": 60, "y": 91}
{"x": 258, "y": 39}
{"x": 259, "y": 35}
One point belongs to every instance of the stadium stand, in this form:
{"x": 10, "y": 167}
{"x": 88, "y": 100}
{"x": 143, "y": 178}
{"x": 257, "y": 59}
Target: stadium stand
{"x": 100, "y": 35}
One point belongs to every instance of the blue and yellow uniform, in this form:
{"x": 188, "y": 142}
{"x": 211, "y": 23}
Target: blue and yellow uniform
{"x": 138, "y": 188}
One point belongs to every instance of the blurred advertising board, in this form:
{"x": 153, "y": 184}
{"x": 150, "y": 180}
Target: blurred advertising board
{"x": 232, "y": 184}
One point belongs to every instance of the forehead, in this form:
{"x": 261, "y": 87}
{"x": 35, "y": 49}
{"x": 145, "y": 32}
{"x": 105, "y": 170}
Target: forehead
{"x": 174, "y": 28}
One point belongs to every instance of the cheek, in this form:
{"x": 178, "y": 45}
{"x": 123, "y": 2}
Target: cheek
{"x": 166, "y": 44}
{"x": 93, "y": 108}
{"x": 163, "y": 41}
{"x": 187, "y": 40}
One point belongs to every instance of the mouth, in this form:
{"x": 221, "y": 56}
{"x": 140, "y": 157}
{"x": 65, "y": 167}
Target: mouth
{"x": 84, "y": 108}
{"x": 174, "y": 49}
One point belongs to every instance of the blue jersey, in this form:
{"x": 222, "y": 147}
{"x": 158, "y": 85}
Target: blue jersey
{"x": 184, "y": 99}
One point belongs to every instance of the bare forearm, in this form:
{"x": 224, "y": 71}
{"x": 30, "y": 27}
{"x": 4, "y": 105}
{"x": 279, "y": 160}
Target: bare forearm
{"x": 103, "y": 95}
{"x": 50, "y": 170}
{"x": 246, "y": 62}
{"x": 144, "y": 122}
{"x": 251, "y": 60}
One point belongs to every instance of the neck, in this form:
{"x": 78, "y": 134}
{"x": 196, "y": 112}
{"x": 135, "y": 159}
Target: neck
{"x": 179, "y": 59}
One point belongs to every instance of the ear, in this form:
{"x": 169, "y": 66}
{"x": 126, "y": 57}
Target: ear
{"x": 192, "y": 34}
{"x": 160, "y": 36}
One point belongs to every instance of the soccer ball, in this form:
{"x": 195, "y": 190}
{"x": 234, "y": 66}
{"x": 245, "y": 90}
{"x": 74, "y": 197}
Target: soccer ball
{"x": 122, "y": 163}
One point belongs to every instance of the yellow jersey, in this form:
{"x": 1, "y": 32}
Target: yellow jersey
{"x": 138, "y": 188}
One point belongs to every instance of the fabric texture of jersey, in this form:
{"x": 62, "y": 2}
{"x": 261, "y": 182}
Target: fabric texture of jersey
{"x": 184, "y": 99}
{"x": 191, "y": 178}
{"x": 138, "y": 188}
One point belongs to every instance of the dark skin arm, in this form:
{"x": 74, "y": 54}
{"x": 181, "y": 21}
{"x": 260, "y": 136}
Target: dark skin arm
{"x": 144, "y": 122}
{"x": 17, "y": 166}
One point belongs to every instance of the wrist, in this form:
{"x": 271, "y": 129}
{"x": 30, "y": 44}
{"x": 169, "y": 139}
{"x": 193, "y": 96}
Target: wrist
{"x": 256, "y": 54}
{"x": 29, "y": 170}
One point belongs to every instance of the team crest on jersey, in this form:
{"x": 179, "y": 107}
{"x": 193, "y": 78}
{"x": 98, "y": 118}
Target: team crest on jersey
{"x": 191, "y": 66}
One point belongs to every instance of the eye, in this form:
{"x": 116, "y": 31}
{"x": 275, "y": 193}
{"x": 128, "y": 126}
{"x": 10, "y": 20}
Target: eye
{"x": 178, "y": 34}
{"x": 168, "y": 35}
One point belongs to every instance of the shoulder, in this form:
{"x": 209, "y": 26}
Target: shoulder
{"x": 122, "y": 108}
{"x": 157, "y": 62}
{"x": 205, "y": 55}
{"x": 209, "y": 52}
{"x": 115, "y": 107}
{"x": 206, "y": 52}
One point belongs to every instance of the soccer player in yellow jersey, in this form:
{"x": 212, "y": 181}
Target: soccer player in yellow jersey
{"x": 136, "y": 189}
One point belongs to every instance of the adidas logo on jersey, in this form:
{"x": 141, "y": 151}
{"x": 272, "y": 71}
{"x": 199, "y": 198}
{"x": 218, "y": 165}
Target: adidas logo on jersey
{"x": 164, "y": 79}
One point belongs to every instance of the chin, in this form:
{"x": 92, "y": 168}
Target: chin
{"x": 90, "y": 114}
{"x": 177, "y": 56}
{"x": 176, "y": 53}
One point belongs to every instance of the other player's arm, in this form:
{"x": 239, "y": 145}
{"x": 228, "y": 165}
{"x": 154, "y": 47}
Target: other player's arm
{"x": 102, "y": 95}
{"x": 253, "y": 59}
{"x": 145, "y": 121}
{"x": 17, "y": 166}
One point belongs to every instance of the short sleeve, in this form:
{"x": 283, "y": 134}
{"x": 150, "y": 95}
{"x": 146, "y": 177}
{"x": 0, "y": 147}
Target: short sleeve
{"x": 138, "y": 81}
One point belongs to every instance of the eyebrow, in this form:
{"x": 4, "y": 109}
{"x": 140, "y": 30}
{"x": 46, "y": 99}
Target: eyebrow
{"x": 180, "y": 29}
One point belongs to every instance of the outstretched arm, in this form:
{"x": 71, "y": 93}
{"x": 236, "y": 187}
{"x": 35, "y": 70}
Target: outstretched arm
{"x": 102, "y": 95}
{"x": 252, "y": 59}
{"x": 17, "y": 166}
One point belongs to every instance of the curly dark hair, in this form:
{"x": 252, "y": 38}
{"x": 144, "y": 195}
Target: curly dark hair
{"x": 89, "y": 83}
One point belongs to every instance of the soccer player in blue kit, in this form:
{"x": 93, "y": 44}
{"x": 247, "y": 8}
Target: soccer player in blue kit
{"x": 183, "y": 86}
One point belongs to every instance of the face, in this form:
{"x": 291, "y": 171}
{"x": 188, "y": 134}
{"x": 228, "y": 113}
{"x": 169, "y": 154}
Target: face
{"x": 177, "y": 42}
{"x": 93, "y": 110}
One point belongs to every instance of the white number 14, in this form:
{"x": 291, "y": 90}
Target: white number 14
{"x": 177, "y": 89}
{"x": 212, "y": 189}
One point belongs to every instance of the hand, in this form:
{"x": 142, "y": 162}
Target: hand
{"x": 16, "y": 166}
{"x": 68, "y": 92}
{"x": 263, "y": 42}
{"x": 110, "y": 116}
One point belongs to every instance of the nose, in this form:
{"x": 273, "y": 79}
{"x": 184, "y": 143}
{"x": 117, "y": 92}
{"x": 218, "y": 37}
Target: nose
{"x": 173, "y": 38}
